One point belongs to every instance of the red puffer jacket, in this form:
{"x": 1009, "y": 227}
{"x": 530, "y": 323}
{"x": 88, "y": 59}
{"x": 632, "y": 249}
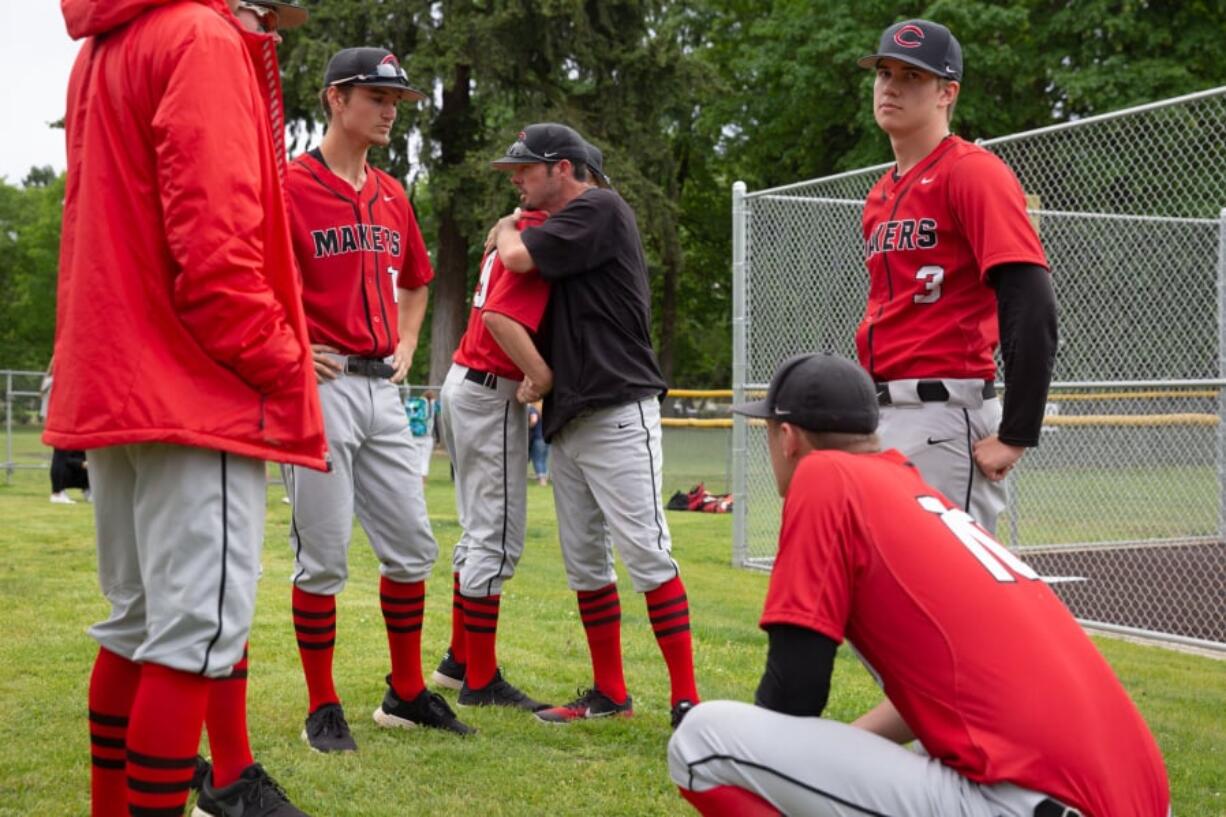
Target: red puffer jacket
{"x": 179, "y": 314}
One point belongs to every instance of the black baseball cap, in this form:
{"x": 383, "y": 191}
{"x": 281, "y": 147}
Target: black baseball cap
{"x": 546, "y": 142}
{"x": 818, "y": 392}
{"x": 595, "y": 163}
{"x": 372, "y": 68}
{"x": 921, "y": 43}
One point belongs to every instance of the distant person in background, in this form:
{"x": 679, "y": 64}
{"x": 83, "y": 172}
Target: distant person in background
{"x": 538, "y": 449}
{"x": 421, "y": 412}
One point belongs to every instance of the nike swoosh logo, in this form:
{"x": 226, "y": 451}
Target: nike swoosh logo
{"x": 549, "y": 155}
{"x": 620, "y": 426}
{"x": 938, "y": 441}
{"x": 928, "y": 180}
{"x": 389, "y": 198}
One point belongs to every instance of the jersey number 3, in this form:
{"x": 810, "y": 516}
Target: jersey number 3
{"x": 930, "y": 278}
{"x": 990, "y": 553}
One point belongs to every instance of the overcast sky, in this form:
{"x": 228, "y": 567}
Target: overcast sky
{"x": 35, "y": 60}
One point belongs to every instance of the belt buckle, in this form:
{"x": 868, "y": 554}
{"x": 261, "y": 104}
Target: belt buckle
{"x": 353, "y": 365}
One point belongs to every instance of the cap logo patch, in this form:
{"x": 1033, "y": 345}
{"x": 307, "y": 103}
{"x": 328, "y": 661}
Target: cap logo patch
{"x": 909, "y": 36}
{"x": 390, "y": 59}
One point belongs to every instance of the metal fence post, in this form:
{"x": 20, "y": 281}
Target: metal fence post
{"x": 1221, "y": 362}
{"x": 8, "y": 427}
{"x": 739, "y": 355}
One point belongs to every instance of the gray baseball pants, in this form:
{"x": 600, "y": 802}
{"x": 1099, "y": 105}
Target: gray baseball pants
{"x": 179, "y": 533}
{"x": 824, "y": 768}
{"x": 376, "y": 474}
{"x": 607, "y": 473}
{"x": 938, "y": 439}
{"x": 485, "y": 430}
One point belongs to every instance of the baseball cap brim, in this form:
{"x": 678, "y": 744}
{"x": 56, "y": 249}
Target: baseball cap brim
{"x": 871, "y": 61}
{"x": 754, "y": 408}
{"x": 289, "y": 15}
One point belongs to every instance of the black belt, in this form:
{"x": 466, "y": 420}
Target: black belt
{"x": 487, "y": 379}
{"x": 1050, "y": 808}
{"x": 368, "y": 367}
{"x": 931, "y": 391}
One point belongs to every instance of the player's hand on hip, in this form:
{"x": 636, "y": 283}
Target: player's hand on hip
{"x": 996, "y": 459}
{"x": 402, "y": 359}
{"x": 325, "y": 367}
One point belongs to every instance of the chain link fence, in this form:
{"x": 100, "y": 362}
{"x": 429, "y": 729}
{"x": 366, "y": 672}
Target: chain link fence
{"x": 1122, "y": 503}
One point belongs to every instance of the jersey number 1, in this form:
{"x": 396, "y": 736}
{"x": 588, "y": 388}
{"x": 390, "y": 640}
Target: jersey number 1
{"x": 990, "y": 553}
{"x": 483, "y": 285}
{"x": 930, "y": 277}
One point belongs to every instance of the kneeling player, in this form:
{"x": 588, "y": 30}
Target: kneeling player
{"x": 1017, "y": 712}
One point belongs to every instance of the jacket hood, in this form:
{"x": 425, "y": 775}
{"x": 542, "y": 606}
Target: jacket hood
{"x": 88, "y": 18}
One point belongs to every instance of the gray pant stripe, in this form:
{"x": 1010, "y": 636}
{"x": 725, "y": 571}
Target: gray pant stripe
{"x": 225, "y": 548}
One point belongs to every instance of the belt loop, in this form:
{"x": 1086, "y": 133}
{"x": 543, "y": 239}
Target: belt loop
{"x": 491, "y": 380}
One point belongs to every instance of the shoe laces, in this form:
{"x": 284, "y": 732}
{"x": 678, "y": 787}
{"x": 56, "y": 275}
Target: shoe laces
{"x": 506, "y": 689}
{"x": 585, "y": 698}
{"x": 331, "y": 722}
{"x": 265, "y": 791}
{"x": 438, "y": 706}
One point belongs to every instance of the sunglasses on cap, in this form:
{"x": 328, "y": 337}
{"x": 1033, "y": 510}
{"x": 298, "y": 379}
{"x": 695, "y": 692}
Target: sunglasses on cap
{"x": 384, "y": 70}
{"x": 267, "y": 17}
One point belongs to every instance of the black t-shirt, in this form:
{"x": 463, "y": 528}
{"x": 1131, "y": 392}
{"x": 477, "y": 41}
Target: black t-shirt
{"x": 596, "y": 334}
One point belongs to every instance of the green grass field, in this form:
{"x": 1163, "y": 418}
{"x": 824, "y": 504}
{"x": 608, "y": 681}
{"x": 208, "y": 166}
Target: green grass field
{"x": 515, "y": 766}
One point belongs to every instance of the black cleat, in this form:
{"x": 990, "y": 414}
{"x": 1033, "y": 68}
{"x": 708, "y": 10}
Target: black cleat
{"x": 427, "y": 709}
{"x": 450, "y": 672}
{"x": 254, "y": 794}
{"x": 679, "y": 712}
{"x": 326, "y": 730}
{"x": 498, "y": 692}
{"x": 591, "y": 703}
{"x": 200, "y": 773}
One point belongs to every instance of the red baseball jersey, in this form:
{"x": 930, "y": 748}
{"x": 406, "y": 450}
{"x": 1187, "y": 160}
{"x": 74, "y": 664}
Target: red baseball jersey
{"x": 354, "y": 248}
{"x": 520, "y": 296}
{"x": 982, "y": 660}
{"x": 930, "y": 237}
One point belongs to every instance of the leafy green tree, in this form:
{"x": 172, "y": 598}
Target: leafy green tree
{"x": 29, "y": 256}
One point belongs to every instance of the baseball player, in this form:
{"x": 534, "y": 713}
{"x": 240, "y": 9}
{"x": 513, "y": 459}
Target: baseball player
{"x": 485, "y": 429}
{"x": 955, "y": 266}
{"x": 364, "y": 272}
{"x": 185, "y": 269}
{"x": 602, "y": 414}
{"x": 1016, "y": 712}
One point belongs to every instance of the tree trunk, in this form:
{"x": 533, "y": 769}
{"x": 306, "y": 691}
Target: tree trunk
{"x": 451, "y": 274}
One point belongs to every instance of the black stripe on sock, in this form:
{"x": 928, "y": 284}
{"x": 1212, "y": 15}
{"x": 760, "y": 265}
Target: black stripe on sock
{"x": 386, "y": 599}
{"x": 471, "y": 629}
{"x": 313, "y": 615}
{"x": 107, "y": 743}
{"x": 600, "y": 608}
{"x": 317, "y": 645}
{"x": 484, "y": 601}
{"x": 661, "y": 604}
{"x": 412, "y": 628}
{"x": 670, "y": 616}
{"x": 157, "y": 786}
{"x": 159, "y": 762}
{"x": 107, "y": 720}
{"x": 107, "y": 762}
{"x": 673, "y": 631}
{"x": 598, "y": 622}
{"x": 591, "y": 595}
{"x": 302, "y": 629}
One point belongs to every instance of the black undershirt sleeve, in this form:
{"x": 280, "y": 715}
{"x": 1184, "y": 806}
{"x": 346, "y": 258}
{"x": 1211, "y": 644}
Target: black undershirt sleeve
{"x": 799, "y": 662}
{"x": 1026, "y": 310}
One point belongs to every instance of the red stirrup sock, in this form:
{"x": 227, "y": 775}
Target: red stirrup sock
{"x": 404, "y": 605}
{"x": 481, "y": 633}
{"x": 163, "y": 735}
{"x": 601, "y": 613}
{"x": 112, "y": 686}
{"x": 669, "y": 611}
{"x": 459, "y": 646}
{"x": 315, "y": 628}
{"x": 225, "y": 719}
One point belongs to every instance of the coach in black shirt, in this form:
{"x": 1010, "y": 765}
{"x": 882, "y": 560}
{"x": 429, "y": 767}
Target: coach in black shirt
{"x": 602, "y": 416}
